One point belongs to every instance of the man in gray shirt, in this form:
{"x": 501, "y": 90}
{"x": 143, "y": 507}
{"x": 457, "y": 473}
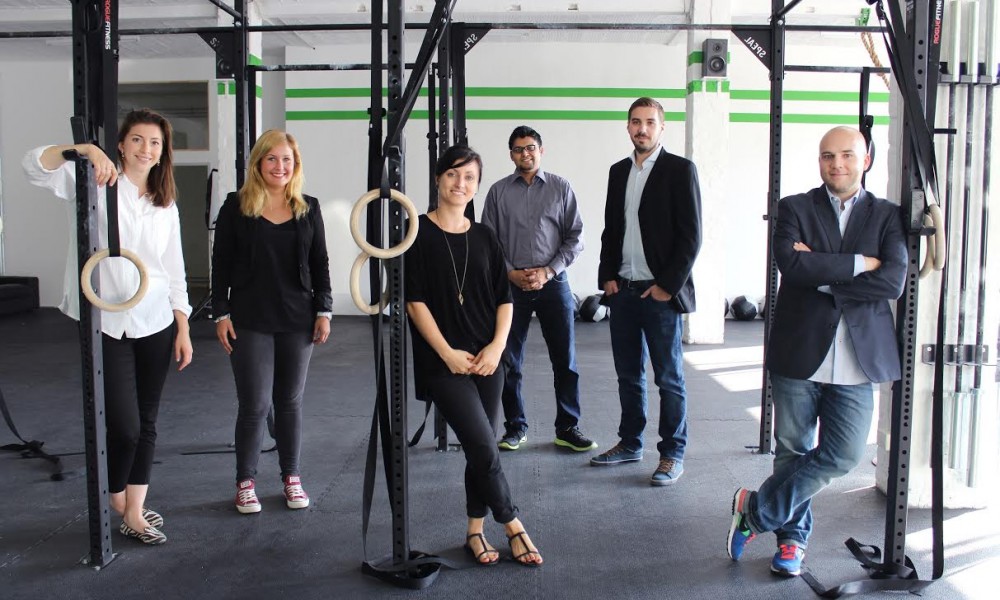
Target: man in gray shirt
{"x": 536, "y": 219}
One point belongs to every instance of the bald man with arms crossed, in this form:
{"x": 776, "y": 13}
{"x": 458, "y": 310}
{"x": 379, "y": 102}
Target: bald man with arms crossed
{"x": 842, "y": 256}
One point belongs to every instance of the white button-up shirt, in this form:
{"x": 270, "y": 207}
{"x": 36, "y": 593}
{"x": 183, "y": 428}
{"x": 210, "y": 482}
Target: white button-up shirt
{"x": 634, "y": 265}
{"x": 152, "y": 232}
{"x": 841, "y": 364}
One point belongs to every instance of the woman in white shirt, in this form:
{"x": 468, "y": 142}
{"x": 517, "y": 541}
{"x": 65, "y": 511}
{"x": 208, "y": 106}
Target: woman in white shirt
{"x": 138, "y": 342}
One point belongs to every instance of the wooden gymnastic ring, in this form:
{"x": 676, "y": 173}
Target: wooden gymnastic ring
{"x": 359, "y": 238}
{"x": 935, "y": 253}
{"x": 355, "y": 286}
{"x": 88, "y": 289}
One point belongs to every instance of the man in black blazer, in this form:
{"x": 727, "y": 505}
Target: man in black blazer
{"x": 652, "y": 233}
{"x": 842, "y": 256}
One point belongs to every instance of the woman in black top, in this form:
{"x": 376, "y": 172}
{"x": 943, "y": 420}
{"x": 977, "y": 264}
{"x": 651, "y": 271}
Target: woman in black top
{"x": 271, "y": 288}
{"x": 458, "y": 300}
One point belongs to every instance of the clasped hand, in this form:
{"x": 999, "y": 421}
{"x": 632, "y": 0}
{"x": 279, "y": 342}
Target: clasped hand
{"x": 460, "y": 362}
{"x": 529, "y": 279}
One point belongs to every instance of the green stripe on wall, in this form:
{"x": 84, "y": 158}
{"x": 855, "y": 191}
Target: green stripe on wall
{"x": 802, "y": 118}
{"x": 573, "y": 92}
{"x": 328, "y": 92}
{"x": 481, "y": 115}
{"x": 326, "y": 115}
{"x": 254, "y": 60}
{"x": 502, "y": 92}
{"x": 805, "y": 96}
{"x": 228, "y": 88}
{"x": 591, "y": 92}
{"x": 707, "y": 85}
{"x": 576, "y": 115}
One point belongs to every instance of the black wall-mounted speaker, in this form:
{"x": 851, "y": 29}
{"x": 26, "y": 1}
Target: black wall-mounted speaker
{"x": 714, "y": 57}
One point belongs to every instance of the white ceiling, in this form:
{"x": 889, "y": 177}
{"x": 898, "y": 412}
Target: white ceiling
{"x": 54, "y": 15}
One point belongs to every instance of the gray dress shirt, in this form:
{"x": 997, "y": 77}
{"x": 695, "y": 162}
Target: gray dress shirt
{"x": 538, "y": 225}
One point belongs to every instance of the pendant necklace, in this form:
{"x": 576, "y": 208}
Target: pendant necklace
{"x": 454, "y": 265}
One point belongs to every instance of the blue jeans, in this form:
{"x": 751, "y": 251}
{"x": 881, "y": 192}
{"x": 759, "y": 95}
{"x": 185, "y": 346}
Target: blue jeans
{"x": 554, "y": 306}
{"x": 802, "y": 467}
{"x": 644, "y": 328}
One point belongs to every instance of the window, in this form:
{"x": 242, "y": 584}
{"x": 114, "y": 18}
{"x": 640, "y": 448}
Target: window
{"x": 183, "y": 103}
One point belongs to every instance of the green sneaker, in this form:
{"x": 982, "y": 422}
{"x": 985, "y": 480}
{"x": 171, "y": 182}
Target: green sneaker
{"x": 512, "y": 440}
{"x": 574, "y": 440}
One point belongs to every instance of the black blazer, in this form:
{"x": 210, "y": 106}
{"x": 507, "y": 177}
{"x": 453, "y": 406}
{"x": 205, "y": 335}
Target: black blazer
{"x": 669, "y": 224}
{"x": 234, "y": 254}
{"x": 805, "y": 319}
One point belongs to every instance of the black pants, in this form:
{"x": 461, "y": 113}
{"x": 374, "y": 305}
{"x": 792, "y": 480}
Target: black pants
{"x": 134, "y": 373}
{"x": 269, "y": 368}
{"x": 471, "y": 406}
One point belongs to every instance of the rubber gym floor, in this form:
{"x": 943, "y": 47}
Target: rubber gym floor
{"x": 604, "y": 532}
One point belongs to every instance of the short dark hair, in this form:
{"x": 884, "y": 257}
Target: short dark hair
{"x": 523, "y": 131}
{"x": 458, "y": 155}
{"x": 646, "y": 101}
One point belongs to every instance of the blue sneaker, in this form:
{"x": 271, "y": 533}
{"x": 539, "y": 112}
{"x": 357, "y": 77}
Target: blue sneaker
{"x": 616, "y": 455}
{"x": 787, "y": 561}
{"x": 739, "y": 533}
{"x": 667, "y": 472}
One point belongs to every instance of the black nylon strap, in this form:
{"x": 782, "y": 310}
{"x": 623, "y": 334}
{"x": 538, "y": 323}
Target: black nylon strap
{"x": 864, "y": 586}
{"x": 208, "y": 201}
{"x": 423, "y": 424}
{"x": 883, "y": 577}
{"x": 919, "y": 130}
{"x": 30, "y": 449}
{"x": 865, "y": 120}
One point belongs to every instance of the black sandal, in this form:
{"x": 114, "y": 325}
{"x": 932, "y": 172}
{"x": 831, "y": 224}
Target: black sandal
{"x": 527, "y": 550}
{"x": 486, "y": 550}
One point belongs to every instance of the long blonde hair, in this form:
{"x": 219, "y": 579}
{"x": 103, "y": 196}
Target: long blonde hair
{"x": 253, "y": 194}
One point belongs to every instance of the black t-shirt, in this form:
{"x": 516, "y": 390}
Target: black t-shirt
{"x": 275, "y": 300}
{"x": 431, "y": 279}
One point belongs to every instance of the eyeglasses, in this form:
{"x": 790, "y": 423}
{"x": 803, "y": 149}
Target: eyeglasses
{"x": 522, "y": 149}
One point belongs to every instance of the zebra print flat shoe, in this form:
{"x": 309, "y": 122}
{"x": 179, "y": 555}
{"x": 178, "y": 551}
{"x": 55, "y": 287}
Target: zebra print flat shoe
{"x": 152, "y": 517}
{"x": 150, "y": 535}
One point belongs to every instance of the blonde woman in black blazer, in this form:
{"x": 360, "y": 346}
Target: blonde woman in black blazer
{"x": 271, "y": 292}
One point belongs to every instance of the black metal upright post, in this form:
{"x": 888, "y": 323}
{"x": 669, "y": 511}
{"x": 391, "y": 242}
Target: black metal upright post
{"x": 444, "y": 141}
{"x": 458, "y": 82}
{"x": 432, "y": 138}
{"x": 773, "y": 195}
{"x": 915, "y": 69}
{"x": 397, "y": 310}
{"x": 94, "y": 40}
{"x": 918, "y": 35}
{"x": 242, "y": 94}
{"x": 444, "y": 92}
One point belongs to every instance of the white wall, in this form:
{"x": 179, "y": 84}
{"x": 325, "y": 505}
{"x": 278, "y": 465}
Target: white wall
{"x": 335, "y": 151}
{"x": 36, "y": 102}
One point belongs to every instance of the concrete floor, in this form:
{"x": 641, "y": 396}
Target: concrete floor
{"x": 605, "y": 533}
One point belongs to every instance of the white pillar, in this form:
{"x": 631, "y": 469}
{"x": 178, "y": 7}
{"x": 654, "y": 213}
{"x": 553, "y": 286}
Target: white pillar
{"x": 707, "y": 145}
